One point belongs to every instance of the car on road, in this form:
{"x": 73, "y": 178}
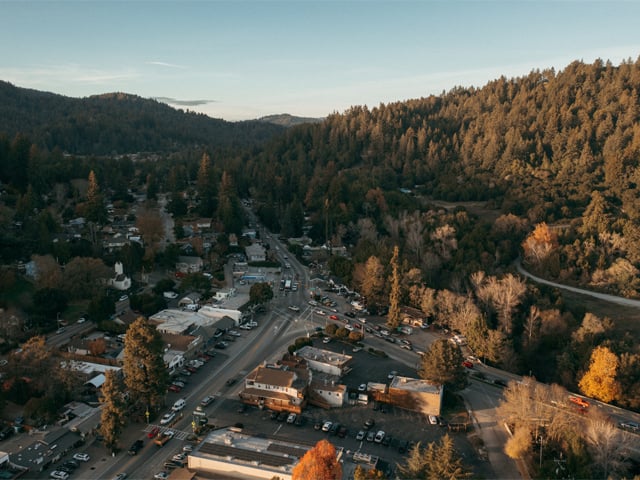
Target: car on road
{"x": 231, "y": 381}
{"x": 120, "y": 476}
{"x": 81, "y": 457}
{"x": 60, "y": 330}
{"x": 153, "y": 432}
{"x": 633, "y": 426}
{"x": 167, "y": 418}
{"x": 234, "y": 333}
{"x": 207, "y": 400}
{"x": 334, "y": 317}
{"x": 467, "y": 364}
{"x": 293, "y": 308}
{"x": 433, "y": 420}
{"x": 360, "y": 436}
{"x": 179, "y": 404}
{"x": 135, "y": 447}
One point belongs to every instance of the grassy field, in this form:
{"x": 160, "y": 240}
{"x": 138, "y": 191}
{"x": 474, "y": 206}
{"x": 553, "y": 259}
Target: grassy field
{"x": 625, "y": 319}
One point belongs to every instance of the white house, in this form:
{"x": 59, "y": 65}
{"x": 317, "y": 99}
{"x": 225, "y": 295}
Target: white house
{"x": 255, "y": 253}
{"x": 325, "y": 361}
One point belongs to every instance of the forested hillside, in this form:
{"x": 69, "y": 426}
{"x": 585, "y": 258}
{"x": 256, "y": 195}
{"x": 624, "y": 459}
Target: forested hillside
{"x": 551, "y": 158}
{"x": 117, "y": 123}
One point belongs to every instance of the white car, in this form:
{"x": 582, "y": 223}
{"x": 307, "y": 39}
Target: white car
{"x": 392, "y": 374}
{"x": 319, "y": 312}
{"x": 167, "y": 418}
{"x": 59, "y": 475}
{"x": 327, "y": 426}
{"x": 379, "y": 436}
{"x": 360, "y": 436}
{"x": 82, "y": 457}
{"x": 170, "y": 295}
{"x": 433, "y": 420}
{"x": 179, "y": 404}
{"x": 161, "y": 476}
{"x": 293, "y": 308}
{"x": 326, "y": 340}
{"x": 291, "y": 418}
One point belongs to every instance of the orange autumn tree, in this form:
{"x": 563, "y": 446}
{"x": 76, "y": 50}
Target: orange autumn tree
{"x": 600, "y": 380}
{"x": 319, "y": 463}
{"x": 540, "y": 244}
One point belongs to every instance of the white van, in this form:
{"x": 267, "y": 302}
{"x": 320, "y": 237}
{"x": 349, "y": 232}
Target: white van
{"x": 179, "y": 405}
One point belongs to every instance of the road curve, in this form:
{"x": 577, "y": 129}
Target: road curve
{"x": 627, "y": 302}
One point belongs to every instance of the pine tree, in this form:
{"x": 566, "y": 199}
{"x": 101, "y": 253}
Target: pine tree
{"x": 206, "y": 187}
{"x": 96, "y": 211}
{"x": 442, "y": 365}
{"x": 393, "y": 317}
{"x": 113, "y": 418}
{"x": 145, "y": 374}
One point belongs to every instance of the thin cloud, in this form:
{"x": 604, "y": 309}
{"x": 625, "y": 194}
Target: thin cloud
{"x": 183, "y": 103}
{"x": 165, "y": 64}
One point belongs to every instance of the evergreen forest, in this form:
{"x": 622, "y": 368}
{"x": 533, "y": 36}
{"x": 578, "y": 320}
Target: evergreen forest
{"x": 540, "y": 170}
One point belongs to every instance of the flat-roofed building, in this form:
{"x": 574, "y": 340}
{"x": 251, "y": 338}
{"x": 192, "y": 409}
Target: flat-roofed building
{"x": 414, "y": 394}
{"x": 232, "y": 453}
{"x": 276, "y": 388}
{"x": 325, "y": 361}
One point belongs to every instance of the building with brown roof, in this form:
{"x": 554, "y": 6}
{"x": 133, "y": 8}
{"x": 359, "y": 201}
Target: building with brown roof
{"x": 278, "y": 389}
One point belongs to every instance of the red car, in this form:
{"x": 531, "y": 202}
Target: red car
{"x": 174, "y": 388}
{"x": 467, "y": 364}
{"x": 334, "y": 317}
{"x": 154, "y": 431}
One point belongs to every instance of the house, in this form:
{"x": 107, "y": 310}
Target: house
{"x": 255, "y": 253}
{"x": 412, "y": 317}
{"x": 189, "y": 264}
{"x": 120, "y": 281}
{"x": 277, "y": 389}
{"x": 327, "y": 393}
{"x": 233, "y": 240}
{"x": 325, "y": 361}
{"x": 190, "y": 298}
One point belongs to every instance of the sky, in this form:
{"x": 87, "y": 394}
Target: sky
{"x": 246, "y": 59}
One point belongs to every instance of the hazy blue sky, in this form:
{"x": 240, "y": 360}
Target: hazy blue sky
{"x": 246, "y": 59}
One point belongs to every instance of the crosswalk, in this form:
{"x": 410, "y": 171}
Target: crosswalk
{"x": 178, "y": 434}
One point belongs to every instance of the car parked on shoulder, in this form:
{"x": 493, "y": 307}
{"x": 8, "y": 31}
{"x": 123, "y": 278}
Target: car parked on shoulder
{"x": 59, "y": 475}
{"x": 81, "y": 457}
{"x": 326, "y": 426}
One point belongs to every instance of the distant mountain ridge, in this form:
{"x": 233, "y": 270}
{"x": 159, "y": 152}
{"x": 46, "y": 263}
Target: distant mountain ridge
{"x": 118, "y": 123}
{"x": 287, "y": 120}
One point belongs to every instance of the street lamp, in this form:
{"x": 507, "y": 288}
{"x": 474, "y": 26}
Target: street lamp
{"x": 541, "y": 440}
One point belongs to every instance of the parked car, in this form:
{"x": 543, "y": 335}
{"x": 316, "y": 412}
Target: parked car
{"x": 433, "y": 420}
{"x": 342, "y": 431}
{"x": 371, "y": 436}
{"x": 300, "y": 420}
{"x": 291, "y": 418}
{"x": 59, "y": 475}
{"x": 467, "y": 364}
{"x": 174, "y": 388}
{"x": 379, "y": 436}
{"x": 360, "y": 436}
{"x": 369, "y": 423}
{"x": 81, "y": 457}
{"x": 326, "y": 426}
